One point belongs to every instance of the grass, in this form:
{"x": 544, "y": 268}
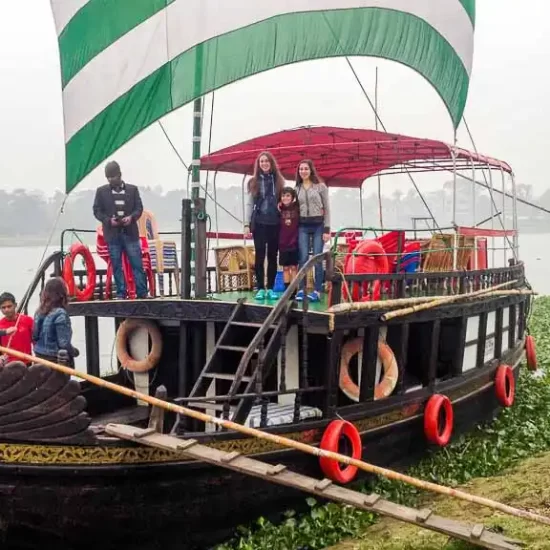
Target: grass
{"x": 524, "y": 486}
{"x": 495, "y": 460}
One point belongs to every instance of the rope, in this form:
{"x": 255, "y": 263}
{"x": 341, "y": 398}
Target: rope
{"x": 229, "y": 213}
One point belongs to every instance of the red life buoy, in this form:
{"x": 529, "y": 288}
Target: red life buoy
{"x": 368, "y": 257}
{"x": 438, "y": 420}
{"x": 505, "y": 385}
{"x": 329, "y": 442}
{"x": 79, "y": 249}
{"x": 531, "y": 353}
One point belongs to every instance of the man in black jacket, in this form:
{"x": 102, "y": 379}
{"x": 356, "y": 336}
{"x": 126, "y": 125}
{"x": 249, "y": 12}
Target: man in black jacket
{"x": 118, "y": 207}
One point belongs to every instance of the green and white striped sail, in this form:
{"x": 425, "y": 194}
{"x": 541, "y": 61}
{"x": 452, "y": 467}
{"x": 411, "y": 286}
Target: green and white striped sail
{"x": 126, "y": 63}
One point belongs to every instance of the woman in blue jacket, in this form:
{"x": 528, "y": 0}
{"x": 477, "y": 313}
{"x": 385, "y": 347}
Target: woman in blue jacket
{"x": 52, "y": 324}
{"x": 262, "y": 220}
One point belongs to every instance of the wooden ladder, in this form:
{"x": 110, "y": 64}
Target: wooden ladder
{"x": 475, "y": 534}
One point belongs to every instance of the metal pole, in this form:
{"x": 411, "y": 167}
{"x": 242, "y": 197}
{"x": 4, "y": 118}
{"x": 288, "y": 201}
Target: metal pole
{"x": 185, "y": 281}
{"x": 492, "y": 216}
{"x": 453, "y": 155}
{"x": 199, "y": 218}
{"x": 361, "y": 202}
{"x": 376, "y": 119}
{"x": 473, "y": 193}
{"x": 243, "y": 207}
{"x": 216, "y": 209}
{"x": 504, "y": 250}
{"x": 515, "y": 217}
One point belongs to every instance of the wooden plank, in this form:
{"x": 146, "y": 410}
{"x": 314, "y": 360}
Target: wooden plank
{"x": 281, "y": 475}
{"x": 368, "y": 365}
{"x": 434, "y": 353}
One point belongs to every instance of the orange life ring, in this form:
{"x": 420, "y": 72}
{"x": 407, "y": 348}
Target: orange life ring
{"x": 531, "y": 353}
{"x": 435, "y": 432}
{"x": 368, "y": 257}
{"x": 505, "y": 385}
{"x": 391, "y": 372}
{"x": 79, "y": 249}
{"x": 124, "y": 331}
{"x": 330, "y": 441}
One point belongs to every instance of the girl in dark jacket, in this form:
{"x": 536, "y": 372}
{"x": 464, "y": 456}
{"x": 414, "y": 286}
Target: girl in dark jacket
{"x": 262, "y": 219}
{"x": 52, "y": 324}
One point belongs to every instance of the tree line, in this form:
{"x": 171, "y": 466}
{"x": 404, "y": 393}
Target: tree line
{"x": 29, "y": 213}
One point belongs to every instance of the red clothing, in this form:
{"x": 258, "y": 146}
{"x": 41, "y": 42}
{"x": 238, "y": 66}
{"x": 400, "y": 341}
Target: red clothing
{"x": 20, "y": 340}
{"x": 288, "y": 232}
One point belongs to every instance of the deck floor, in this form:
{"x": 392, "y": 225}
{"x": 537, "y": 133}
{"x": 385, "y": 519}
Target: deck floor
{"x": 319, "y": 307}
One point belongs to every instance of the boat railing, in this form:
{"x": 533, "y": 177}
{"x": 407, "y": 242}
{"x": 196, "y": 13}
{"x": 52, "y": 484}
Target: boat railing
{"x": 387, "y": 286}
{"x": 51, "y": 266}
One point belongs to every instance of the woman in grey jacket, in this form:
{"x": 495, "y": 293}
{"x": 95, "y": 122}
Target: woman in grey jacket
{"x": 314, "y": 221}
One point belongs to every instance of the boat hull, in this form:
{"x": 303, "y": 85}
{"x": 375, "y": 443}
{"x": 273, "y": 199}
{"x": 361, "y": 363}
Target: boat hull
{"x": 180, "y": 504}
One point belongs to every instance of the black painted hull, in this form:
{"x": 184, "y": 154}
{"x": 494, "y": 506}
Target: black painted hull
{"x": 178, "y": 505}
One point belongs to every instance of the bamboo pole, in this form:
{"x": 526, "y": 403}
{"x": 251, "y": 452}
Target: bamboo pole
{"x": 285, "y": 442}
{"x": 442, "y": 301}
{"x": 398, "y": 302}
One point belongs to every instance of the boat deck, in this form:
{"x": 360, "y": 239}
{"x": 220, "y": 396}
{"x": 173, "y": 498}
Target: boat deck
{"x": 216, "y": 307}
{"x": 319, "y": 307}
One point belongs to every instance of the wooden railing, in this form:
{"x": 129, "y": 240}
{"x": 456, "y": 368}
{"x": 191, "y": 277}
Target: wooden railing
{"x": 406, "y": 285}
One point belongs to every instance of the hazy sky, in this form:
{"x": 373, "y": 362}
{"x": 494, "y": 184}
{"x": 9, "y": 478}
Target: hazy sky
{"x": 508, "y": 108}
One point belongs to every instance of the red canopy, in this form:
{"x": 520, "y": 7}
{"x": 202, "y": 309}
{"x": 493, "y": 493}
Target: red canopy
{"x": 346, "y": 157}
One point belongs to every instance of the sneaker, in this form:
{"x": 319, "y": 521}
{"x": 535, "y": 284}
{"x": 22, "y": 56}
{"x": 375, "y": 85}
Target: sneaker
{"x": 299, "y": 296}
{"x": 314, "y": 296}
{"x": 272, "y": 295}
{"x": 260, "y": 295}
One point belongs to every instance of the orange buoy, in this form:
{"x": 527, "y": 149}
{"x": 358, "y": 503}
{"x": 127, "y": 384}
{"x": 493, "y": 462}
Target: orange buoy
{"x": 79, "y": 249}
{"x": 391, "y": 372}
{"x": 505, "y": 385}
{"x": 438, "y": 420}
{"x": 124, "y": 331}
{"x": 330, "y": 442}
{"x": 531, "y": 353}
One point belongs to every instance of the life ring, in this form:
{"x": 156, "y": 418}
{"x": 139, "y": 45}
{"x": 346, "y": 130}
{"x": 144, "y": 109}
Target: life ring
{"x": 391, "y": 372}
{"x": 124, "y": 331}
{"x": 330, "y": 442}
{"x": 79, "y": 249}
{"x": 368, "y": 257}
{"x": 436, "y": 433}
{"x": 505, "y": 385}
{"x": 531, "y": 353}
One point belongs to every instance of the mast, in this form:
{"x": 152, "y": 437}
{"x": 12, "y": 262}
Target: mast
{"x": 198, "y": 204}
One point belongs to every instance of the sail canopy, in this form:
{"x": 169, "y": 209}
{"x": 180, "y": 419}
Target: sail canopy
{"x": 346, "y": 157}
{"x": 127, "y": 63}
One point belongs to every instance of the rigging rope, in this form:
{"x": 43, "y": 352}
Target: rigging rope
{"x": 486, "y": 183}
{"x": 365, "y": 93}
{"x": 229, "y": 213}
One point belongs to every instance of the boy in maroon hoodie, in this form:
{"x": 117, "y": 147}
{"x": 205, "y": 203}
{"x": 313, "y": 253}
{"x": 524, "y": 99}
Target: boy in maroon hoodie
{"x": 288, "y": 234}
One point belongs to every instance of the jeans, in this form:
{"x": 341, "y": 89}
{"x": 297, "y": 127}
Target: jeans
{"x": 305, "y": 232}
{"x": 266, "y": 237}
{"x": 117, "y": 246}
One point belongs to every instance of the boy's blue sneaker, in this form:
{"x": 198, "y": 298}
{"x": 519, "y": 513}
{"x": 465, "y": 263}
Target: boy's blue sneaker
{"x": 260, "y": 295}
{"x": 299, "y": 296}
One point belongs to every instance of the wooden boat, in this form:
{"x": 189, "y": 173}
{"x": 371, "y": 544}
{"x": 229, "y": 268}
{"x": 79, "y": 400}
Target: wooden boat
{"x": 282, "y": 367}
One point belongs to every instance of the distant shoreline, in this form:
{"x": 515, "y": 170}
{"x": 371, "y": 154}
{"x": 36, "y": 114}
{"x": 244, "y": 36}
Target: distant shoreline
{"x": 23, "y": 242}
